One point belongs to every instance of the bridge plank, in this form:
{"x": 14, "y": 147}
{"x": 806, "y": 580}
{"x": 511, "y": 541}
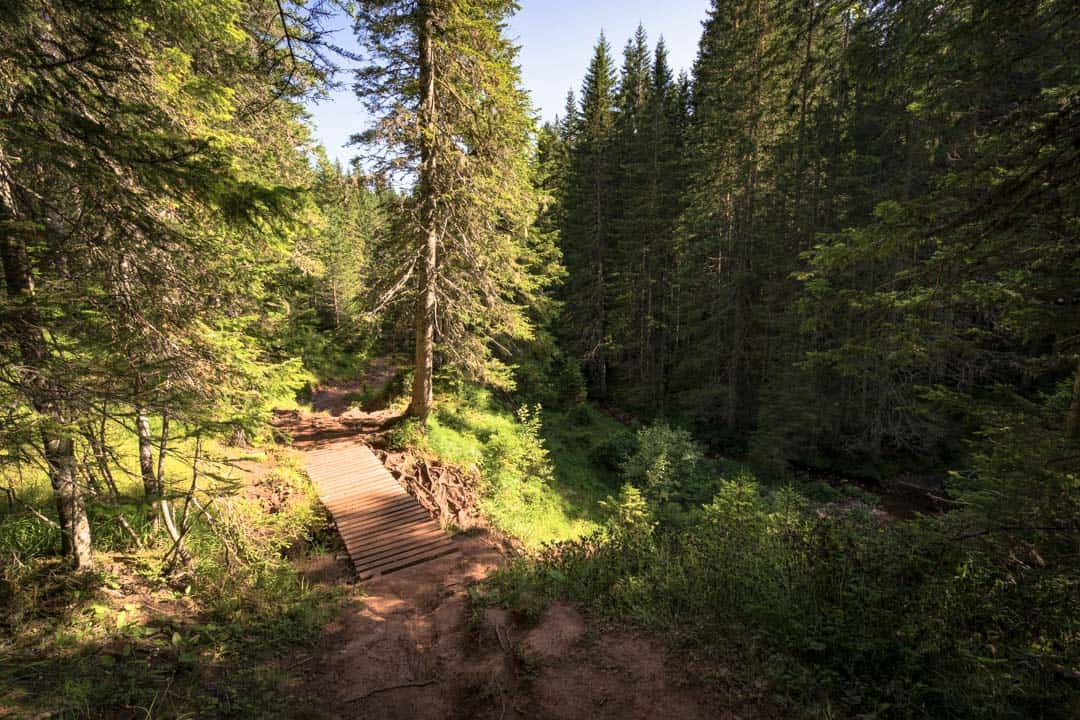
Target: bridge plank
{"x": 383, "y": 527}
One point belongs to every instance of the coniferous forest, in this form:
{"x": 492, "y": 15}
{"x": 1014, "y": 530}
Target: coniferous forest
{"x": 744, "y": 390}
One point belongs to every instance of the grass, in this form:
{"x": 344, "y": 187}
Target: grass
{"x": 583, "y": 443}
{"x": 542, "y": 481}
{"x": 219, "y": 638}
{"x": 32, "y": 483}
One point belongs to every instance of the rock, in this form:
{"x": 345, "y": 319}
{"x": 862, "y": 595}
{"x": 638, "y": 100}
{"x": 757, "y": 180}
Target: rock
{"x": 561, "y": 628}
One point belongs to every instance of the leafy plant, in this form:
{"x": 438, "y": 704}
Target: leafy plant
{"x": 669, "y": 466}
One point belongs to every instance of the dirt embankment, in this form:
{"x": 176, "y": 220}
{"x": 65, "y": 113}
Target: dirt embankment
{"x": 410, "y": 647}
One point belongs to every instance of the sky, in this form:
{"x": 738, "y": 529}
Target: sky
{"x": 556, "y": 39}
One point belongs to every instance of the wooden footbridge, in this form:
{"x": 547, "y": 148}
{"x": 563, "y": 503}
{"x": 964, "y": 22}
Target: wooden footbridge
{"x": 384, "y": 528}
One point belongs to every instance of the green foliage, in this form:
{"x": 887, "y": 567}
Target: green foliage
{"x": 869, "y": 267}
{"x": 327, "y": 283}
{"x": 210, "y": 643}
{"x": 159, "y": 149}
{"x": 29, "y": 537}
{"x": 615, "y": 451}
{"x": 534, "y": 494}
{"x": 669, "y": 466}
{"x": 548, "y": 376}
{"x": 614, "y": 167}
{"x": 462, "y": 144}
{"x": 630, "y": 520}
{"x": 905, "y": 620}
{"x": 409, "y": 433}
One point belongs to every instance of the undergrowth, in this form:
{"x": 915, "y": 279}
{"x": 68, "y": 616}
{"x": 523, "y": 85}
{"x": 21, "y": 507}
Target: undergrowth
{"x": 134, "y": 641}
{"x": 849, "y": 614}
{"x": 542, "y": 470}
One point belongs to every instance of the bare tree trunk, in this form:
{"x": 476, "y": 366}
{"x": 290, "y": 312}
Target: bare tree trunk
{"x": 70, "y": 508}
{"x": 163, "y": 445}
{"x": 422, "y": 396}
{"x": 602, "y": 360}
{"x": 734, "y": 368}
{"x": 1072, "y": 417}
{"x": 151, "y": 482}
{"x": 179, "y": 532}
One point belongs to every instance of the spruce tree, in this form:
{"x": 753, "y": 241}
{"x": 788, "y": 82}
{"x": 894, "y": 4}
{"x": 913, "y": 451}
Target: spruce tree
{"x": 631, "y": 245}
{"x": 588, "y": 234}
{"x": 123, "y": 199}
{"x": 444, "y": 89}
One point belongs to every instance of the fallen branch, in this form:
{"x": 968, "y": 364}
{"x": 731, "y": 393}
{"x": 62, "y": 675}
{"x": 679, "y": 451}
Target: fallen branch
{"x": 212, "y": 524}
{"x": 177, "y": 551}
{"x": 129, "y": 530}
{"x": 423, "y": 683}
{"x": 34, "y": 511}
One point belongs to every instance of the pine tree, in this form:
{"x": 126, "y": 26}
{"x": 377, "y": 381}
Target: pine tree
{"x": 629, "y": 267}
{"x": 960, "y": 277}
{"x": 444, "y": 88}
{"x": 122, "y": 197}
{"x": 719, "y": 229}
{"x": 667, "y": 117}
{"x": 587, "y": 235}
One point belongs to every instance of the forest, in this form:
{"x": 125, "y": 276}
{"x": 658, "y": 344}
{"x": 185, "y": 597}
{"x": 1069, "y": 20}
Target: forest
{"x": 744, "y": 390}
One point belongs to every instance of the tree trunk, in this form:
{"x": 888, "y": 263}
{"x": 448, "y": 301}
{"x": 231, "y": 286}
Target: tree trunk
{"x": 153, "y": 478}
{"x": 734, "y": 368}
{"x": 422, "y": 397}
{"x": 602, "y": 361}
{"x": 151, "y": 485}
{"x": 425, "y": 333}
{"x": 1072, "y": 418}
{"x": 74, "y": 523}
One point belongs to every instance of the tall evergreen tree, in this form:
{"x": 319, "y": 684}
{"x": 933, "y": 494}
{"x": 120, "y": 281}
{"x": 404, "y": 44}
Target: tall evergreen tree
{"x": 587, "y": 235}
{"x": 630, "y": 245}
{"x": 953, "y": 299}
{"x": 123, "y": 197}
{"x": 719, "y": 228}
{"x": 667, "y": 115}
{"x": 444, "y": 88}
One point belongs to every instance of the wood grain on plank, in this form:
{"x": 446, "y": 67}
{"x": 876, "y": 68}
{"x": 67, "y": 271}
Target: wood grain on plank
{"x": 383, "y": 527}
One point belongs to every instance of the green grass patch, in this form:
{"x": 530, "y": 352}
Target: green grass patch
{"x": 543, "y": 473}
{"x": 216, "y": 639}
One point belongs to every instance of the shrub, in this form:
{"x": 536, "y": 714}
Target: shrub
{"x": 903, "y": 621}
{"x": 615, "y": 452}
{"x": 408, "y": 433}
{"x": 668, "y": 466}
{"x": 552, "y": 378}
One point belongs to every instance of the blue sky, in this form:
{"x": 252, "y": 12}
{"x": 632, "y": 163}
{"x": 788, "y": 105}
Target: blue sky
{"x": 556, "y": 39}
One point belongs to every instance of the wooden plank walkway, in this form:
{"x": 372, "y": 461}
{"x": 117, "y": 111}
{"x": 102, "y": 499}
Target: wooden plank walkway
{"x": 383, "y": 527}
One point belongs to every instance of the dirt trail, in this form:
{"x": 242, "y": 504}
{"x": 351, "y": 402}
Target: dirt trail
{"x": 407, "y": 646}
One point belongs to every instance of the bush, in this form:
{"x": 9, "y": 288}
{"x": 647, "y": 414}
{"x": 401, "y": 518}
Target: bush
{"x": 519, "y": 454}
{"x": 669, "y": 467}
{"x": 475, "y": 432}
{"x": 407, "y": 434}
{"x": 896, "y": 621}
{"x": 551, "y": 378}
